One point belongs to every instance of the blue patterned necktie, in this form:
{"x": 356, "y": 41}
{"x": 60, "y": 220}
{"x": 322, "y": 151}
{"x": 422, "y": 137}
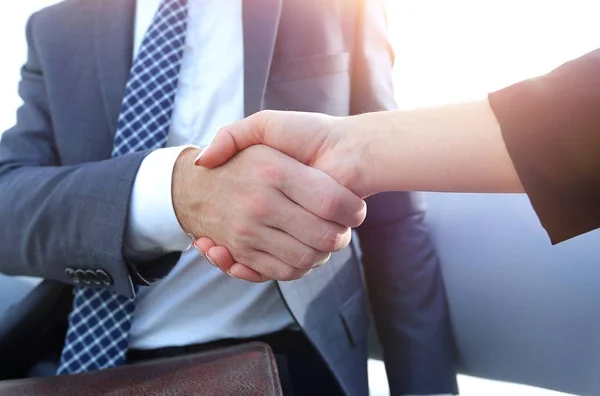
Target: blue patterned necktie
{"x": 100, "y": 321}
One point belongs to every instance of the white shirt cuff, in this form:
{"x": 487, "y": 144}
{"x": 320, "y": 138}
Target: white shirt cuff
{"x": 152, "y": 226}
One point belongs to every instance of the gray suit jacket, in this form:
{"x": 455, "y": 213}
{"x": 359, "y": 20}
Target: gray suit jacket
{"x": 64, "y": 203}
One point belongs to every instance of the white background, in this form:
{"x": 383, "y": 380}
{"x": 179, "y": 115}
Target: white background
{"x": 445, "y": 51}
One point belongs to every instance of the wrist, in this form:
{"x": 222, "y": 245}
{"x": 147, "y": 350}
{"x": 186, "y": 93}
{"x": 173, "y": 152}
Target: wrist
{"x": 182, "y": 195}
{"x": 360, "y": 135}
{"x": 380, "y": 150}
{"x": 152, "y": 227}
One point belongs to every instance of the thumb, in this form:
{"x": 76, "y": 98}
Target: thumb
{"x": 230, "y": 141}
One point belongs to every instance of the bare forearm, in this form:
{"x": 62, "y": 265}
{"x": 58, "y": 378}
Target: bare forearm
{"x": 455, "y": 148}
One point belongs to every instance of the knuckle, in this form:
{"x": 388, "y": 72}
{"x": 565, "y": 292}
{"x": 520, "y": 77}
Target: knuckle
{"x": 308, "y": 259}
{"x": 265, "y": 119}
{"x": 271, "y": 174}
{"x": 333, "y": 240}
{"x": 289, "y": 274}
{"x": 242, "y": 232}
{"x": 243, "y": 256}
{"x": 360, "y": 216}
{"x": 259, "y": 206}
{"x": 250, "y": 257}
{"x": 264, "y": 116}
{"x": 266, "y": 268}
{"x": 328, "y": 205}
{"x": 255, "y": 262}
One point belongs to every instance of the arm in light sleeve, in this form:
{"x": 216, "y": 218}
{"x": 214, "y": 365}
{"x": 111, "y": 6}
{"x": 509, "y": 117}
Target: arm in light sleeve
{"x": 152, "y": 226}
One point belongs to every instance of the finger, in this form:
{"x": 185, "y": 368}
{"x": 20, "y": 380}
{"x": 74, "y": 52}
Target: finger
{"x": 311, "y": 230}
{"x": 240, "y": 271}
{"x": 275, "y": 242}
{"x": 231, "y": 140}
{"x": 220, "y": 257}
{"x": 273, "y": 268}
{"x": 297, "y": 134}
{"x": 320, "y": 194}
{"x": 263, "y": 265}
{"x": 203, "y": 245}
{"x": 289, "y": 250}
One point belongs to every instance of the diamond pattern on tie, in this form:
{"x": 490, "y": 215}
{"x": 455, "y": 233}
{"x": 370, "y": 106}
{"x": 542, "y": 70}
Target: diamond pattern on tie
{"x": 100, "y": 321}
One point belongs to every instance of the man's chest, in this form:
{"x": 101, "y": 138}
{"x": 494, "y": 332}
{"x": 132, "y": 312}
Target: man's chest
{"x": 293, "y": 55}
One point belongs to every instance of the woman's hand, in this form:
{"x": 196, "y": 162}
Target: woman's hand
{"x": 334, "y": 145}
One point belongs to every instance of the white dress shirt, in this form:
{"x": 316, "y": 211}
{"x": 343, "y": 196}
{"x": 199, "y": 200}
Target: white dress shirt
{"x": 196, "y": 302}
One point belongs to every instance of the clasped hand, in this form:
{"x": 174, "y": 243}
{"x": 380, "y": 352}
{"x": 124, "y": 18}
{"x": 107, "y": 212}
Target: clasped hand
{"x": 277, "y": 216}
{"x": 316, "y": 140}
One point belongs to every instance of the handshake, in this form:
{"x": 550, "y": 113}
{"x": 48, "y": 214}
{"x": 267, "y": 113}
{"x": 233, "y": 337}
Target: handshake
{"x": 284, "y": 191}
{"x": 281, "y": 190}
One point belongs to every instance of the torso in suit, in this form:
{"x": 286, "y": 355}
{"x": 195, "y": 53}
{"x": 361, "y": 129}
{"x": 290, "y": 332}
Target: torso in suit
{"x": 64, "y": 203}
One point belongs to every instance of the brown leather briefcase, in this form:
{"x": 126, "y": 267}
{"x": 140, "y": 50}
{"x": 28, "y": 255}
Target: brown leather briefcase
{"x": 245, "y": 370}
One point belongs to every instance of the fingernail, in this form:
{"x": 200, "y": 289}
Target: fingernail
{"x": 199, "y": 250}
{"x": 211, "y": 261}
{"x": 229, "y": 273}
{"x": 200, "y": 154}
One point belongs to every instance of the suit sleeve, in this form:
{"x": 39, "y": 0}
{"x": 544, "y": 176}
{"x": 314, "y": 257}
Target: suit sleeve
{"x": 401, "y": 267}
{"x": 55, "y": 217}
{"x": 551, "y": 127}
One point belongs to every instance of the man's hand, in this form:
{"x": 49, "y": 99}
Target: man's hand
{"x": 277, "y": 216}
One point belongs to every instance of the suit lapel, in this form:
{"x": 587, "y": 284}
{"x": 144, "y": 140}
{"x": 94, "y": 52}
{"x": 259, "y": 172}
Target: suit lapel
{"x": 260, "y": 20}
{"x": 114, "y": 50}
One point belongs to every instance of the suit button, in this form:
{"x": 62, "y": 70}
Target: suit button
{"x": 104, "y": 277}
{"x": 83, "y": 277}
{"x": 72, "y": 275}
{"x": 93, "y": 277}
